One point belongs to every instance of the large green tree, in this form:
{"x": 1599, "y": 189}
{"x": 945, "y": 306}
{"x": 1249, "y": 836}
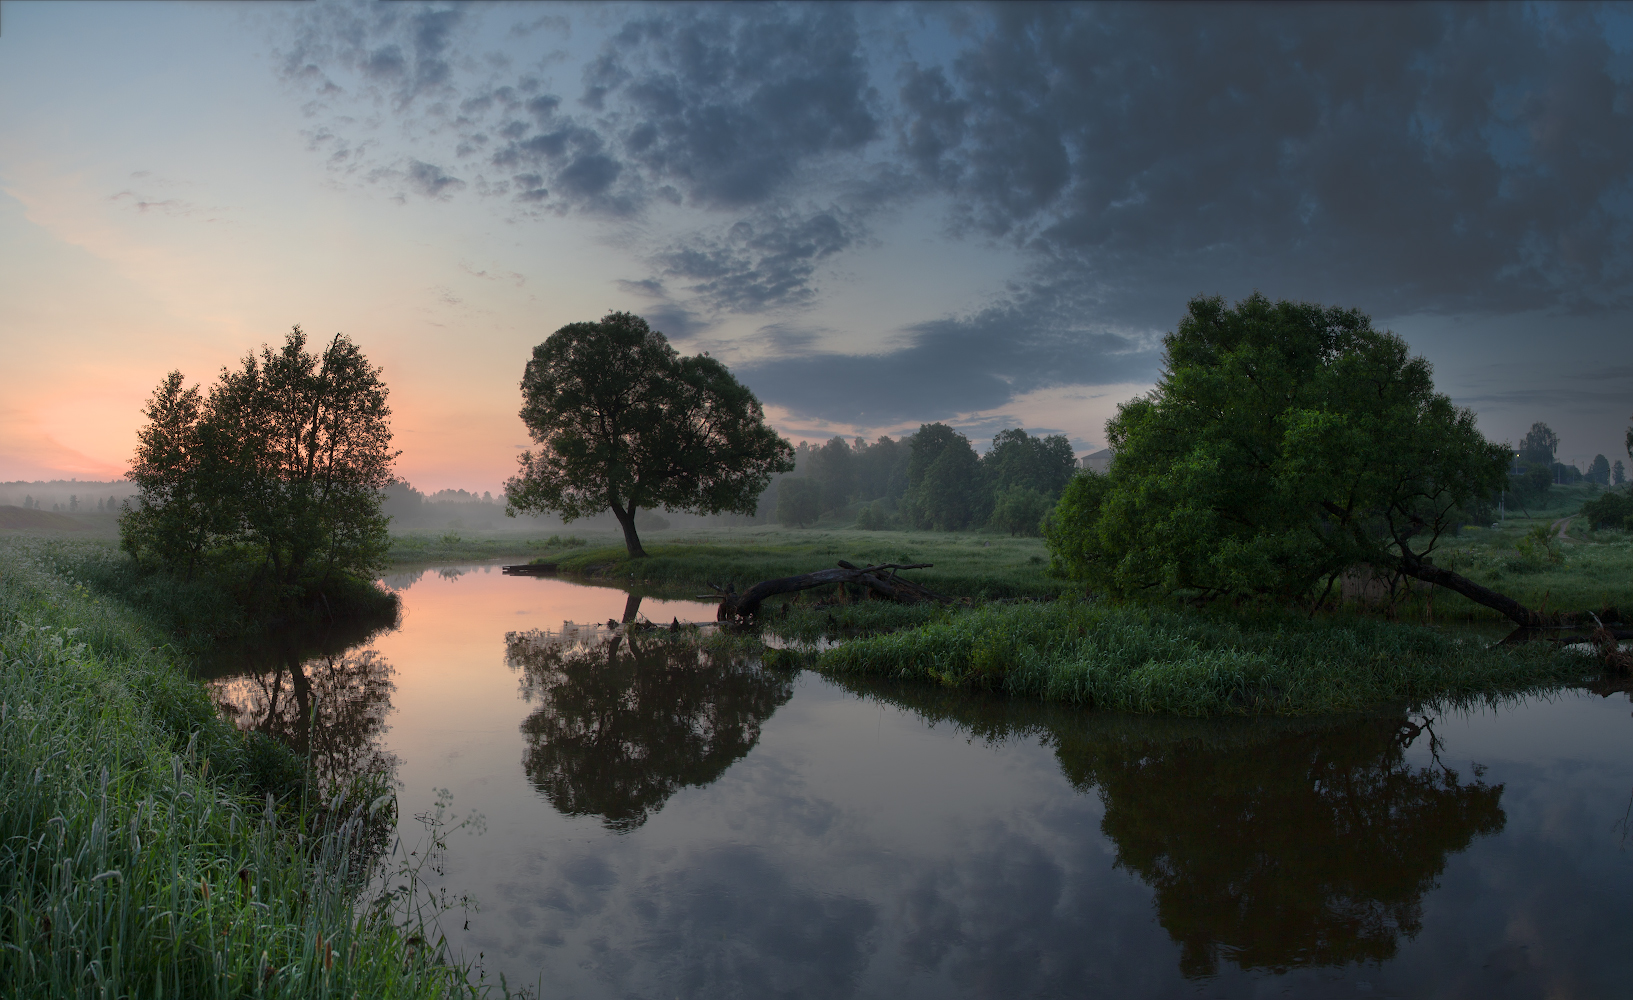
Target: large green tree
{"x": 1284, "y": 444}
{"x": 625, "y": 423}
{"x": 285, "y": 460}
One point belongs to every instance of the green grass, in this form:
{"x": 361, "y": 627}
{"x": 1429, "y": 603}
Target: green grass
{"x": 1591, "y": 571}
{"x": 964, "y": 564}
{"x": 1128, "y": 658}
{"x": 147, "y": 848}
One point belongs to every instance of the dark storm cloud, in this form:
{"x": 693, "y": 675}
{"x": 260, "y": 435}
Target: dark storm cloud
{"x": 1397, "y": 158}
{"x": 728, "y": 103}
{"x": 954, "y": 366}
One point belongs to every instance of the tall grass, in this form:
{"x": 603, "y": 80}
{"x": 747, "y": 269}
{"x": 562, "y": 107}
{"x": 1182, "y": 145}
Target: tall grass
{"x": 148, "y": 849}
{"x": 1183, "y": 662}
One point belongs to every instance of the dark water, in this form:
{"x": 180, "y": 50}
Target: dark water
{"x": 665, "y": 824}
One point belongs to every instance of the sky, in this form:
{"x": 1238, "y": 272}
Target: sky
{"x": 878, "y": 215}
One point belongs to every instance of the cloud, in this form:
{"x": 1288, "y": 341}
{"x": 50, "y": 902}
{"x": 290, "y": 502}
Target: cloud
{"x": 762, "y": 262}
{"x": 1399, "y": 158}
{"x": 955, "y": 366}
{"x": 430, "y": 180}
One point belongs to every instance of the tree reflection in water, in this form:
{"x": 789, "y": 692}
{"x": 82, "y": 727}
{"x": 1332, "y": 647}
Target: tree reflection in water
{"x": 623, "y": 723}
{"x": 1270, "y": 844}
{"x": 319, "y": 695}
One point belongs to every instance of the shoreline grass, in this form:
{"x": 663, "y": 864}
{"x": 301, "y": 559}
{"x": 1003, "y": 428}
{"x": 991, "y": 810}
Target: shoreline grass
{"x": 149, "y": 847}
{"x": 1184, "y": 662}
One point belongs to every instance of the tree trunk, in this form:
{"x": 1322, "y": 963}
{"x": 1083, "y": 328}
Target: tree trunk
{"x": 1429, "y": 573}
{"x": 626, "y": 520}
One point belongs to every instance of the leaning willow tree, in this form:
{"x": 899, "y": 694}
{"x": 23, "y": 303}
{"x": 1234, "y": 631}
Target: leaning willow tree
{"x": 282, "y": 462}
{"x": 625, "y": 423}
{"x": 1284, "y": 444}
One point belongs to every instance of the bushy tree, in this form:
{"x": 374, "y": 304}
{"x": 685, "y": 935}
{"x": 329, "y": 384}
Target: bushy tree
{"x": 1018, "y": 459}
{"x": 1538, "y": 446}
{"x": 945, "y": 485}
{"x": 799, "y": 501}
{"x": 881, "y": 468}
{"x": 1599, "y": 470}
{"x": 834, "y": 469}
{"x": 1284, "y": 443}
{"x": 286, "y": 459}
{"x": 1020, "y": 510}
{"x": 625, "y": 423}
{"x": 1618, "y": 473}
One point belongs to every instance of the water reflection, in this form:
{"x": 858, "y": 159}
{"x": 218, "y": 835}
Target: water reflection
{"x": 624, "y": 722}
{"x": 319, "y": 694}
{"x": 1270, "y": 845}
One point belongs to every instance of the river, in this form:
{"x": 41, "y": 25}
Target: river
{"x": 656, "y": 823}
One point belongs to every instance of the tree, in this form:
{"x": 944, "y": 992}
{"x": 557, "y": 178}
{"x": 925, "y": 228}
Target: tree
{"x": 1599, "y": 470}
{"x": 1538, "y": 446}
{"x": 1041, "y": 464}
{"x": 834, "y": 468}
{"x": 945, "y": 487}
{"x": 799, "y": 501}
{"x": 625, "y": 424}
{"x": 1618, "y": 474}
{"x": 286, "y": 459}
{"x": 1284, "y": 444}
{"x": 1020, "y": 510}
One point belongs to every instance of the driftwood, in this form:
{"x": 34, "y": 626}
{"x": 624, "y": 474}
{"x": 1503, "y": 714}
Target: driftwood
{"x": 881, "y": 580}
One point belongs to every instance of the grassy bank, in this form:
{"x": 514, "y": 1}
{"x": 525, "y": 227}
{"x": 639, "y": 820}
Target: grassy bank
{"x": 141, "y": 853}
{"x": 225, "y": 604}
{"x": 965, "y": 564}
{"x": 1127, "y": 658}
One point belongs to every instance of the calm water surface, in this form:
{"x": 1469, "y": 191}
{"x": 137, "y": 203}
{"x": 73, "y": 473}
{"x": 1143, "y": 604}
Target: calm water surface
{"x": 664, "y": 825}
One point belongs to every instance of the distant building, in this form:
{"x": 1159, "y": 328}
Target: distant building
{"x": 1099, "y": 461}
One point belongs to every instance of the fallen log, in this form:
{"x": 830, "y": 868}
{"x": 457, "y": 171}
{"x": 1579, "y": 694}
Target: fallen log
{"x": 741, "y": 607}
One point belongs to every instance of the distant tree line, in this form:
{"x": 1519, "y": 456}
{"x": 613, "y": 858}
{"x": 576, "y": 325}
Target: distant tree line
{"x": 932, "y": 479}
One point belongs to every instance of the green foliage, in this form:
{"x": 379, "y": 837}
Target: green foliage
{"x": 833, "y": 467}
{"x": 1043, "y": 465}
{"x": 625, "y": 424}
{"x": 1612, "y": 510}
{"x": 799, "y": 501}
{"x": 1020, "y": 510}
{"x": 946, "y": 490}
{"x": 152, "y": 849}
{"x": 1599, "y": 470}
{"x": 874, "y": 517}
{"x": 1284, "y": 443}
{"x": 1538, "y": 446}
{"x": 1151, "y": 660}
{"x": 280, "y": 467}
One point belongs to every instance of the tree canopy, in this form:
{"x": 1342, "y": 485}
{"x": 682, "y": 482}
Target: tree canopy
{"x": 1284, "y": 444}
{"x": 285, "y": 459}
{"x": 625, "y": 423}
{"x": 1538, "y": 446}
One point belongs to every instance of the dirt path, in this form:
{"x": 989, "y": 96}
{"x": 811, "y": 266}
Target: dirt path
{"x": 1559, "y": 527}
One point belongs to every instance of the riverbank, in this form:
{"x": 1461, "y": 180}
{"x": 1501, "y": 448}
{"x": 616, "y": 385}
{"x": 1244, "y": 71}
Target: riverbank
{"x": 1178, "y": 661}
{"x": 152, "y": 848}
